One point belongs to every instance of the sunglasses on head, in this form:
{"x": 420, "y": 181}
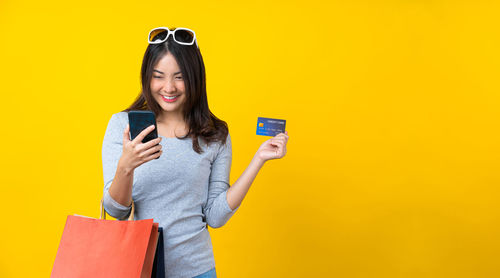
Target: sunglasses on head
{"x": 182, "y": 36}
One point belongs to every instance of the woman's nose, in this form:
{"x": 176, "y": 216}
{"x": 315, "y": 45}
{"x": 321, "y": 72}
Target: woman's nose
{"x": 169, "y": 86}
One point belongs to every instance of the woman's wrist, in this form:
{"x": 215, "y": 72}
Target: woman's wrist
{"x": 123, "y": 169}
{"x": 258, "y": 159}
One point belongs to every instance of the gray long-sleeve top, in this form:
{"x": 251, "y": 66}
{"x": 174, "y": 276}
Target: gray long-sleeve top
{"x": 183, "y": 191}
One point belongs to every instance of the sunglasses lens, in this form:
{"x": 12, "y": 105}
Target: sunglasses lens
{"x": 158, "y": 35}
{"x": 184, "y": 36}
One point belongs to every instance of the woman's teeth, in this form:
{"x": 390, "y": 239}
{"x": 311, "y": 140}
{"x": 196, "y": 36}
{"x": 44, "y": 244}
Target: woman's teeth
{"x": 170, "y": 99}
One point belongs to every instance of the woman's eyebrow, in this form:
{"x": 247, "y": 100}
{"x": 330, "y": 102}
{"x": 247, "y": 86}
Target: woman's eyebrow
{"x": 163, "y": 73}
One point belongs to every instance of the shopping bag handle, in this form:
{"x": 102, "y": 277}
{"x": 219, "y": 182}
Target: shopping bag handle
{"x": 103, "y": 212}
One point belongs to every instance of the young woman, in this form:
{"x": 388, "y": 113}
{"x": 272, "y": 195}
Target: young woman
{"x": 180, "y": 179}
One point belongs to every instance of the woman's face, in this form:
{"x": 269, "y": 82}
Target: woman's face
{"x": 168, "y": 82}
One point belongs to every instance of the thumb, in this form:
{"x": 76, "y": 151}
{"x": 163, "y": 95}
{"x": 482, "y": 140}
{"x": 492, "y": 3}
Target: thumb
{"x": 126, "y": 136}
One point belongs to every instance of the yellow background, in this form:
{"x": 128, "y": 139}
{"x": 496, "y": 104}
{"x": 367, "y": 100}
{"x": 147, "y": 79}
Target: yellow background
{"x": 392, "y": 108}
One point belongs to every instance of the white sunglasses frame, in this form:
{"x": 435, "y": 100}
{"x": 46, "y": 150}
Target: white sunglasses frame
{"x": 173, "y": 37}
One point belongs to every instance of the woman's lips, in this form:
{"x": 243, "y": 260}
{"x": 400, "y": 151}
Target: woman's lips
{"x": 169, "y": 100}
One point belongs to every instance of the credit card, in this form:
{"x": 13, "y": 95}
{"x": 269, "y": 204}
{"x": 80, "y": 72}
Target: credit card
{"x": 270, "y": 127}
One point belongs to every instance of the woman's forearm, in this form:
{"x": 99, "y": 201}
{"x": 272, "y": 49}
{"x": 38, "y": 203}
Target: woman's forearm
{"x": 236, "y": 193}
{"x": 121, "y": 187}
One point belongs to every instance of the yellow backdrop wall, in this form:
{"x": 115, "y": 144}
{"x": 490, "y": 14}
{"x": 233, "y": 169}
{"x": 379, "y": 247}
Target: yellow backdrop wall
{"x": 392, "y": 108}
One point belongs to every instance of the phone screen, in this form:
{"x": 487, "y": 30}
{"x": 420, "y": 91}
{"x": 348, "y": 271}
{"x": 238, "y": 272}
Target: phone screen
{"x": 140, "y": 120}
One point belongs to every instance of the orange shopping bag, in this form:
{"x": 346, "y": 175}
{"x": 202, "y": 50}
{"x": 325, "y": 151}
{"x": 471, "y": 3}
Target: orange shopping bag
{"x": 96, "y": 248}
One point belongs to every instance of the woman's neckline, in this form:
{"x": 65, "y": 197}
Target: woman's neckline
{"x": 171, "y": 137}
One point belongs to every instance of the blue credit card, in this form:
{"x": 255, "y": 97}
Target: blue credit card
{"x": 270, "y": 127}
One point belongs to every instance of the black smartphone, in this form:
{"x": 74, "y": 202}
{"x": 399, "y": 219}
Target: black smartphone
{"x": 140, "y": 120}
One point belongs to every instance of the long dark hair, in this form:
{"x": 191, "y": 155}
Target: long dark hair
{"x": 200, "y": 120}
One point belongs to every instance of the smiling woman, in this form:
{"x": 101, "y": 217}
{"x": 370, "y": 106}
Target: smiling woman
{"x": 187, "y": 188}
{"x": 174, "y": 88}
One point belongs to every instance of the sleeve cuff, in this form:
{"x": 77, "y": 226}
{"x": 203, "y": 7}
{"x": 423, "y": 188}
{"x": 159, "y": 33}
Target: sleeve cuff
{"x": 114, "y": 208}
{"x": 227, "y": 208}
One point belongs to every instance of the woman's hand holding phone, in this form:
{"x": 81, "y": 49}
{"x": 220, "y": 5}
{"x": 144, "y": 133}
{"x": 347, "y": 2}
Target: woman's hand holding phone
{"x": 136, "y": 153}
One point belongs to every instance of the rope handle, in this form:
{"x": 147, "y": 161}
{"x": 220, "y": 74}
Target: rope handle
{"x": 103, "y": 212}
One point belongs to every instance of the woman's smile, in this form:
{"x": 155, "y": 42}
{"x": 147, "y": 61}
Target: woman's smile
{"x": 169, "y": 98}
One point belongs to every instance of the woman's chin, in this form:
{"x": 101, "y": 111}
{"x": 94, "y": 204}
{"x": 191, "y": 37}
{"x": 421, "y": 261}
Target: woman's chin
{"x": 170, "y": 109}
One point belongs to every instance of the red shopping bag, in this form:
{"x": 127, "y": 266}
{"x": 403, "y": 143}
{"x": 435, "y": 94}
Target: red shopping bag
{"x": 96, "y": 248}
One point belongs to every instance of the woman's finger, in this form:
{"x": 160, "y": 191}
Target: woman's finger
{"x": 271, "y": 141}
{"x": 281, "y": 148}
{"x": 151, "y": 150}
{"x": 150, "y": 144}
{"x": 153, "y": 156}
{"x": 277, "y": 143}
{"x": 282, "y": 140}
{"x": 143, "y": 134}
{"x": 126, "y": 136}
{"x": 282, "y": 135}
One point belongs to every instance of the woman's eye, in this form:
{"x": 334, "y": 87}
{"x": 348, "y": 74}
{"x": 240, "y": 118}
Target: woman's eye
{"x": 156, "y": 76}
{"x": 179, "y": 77}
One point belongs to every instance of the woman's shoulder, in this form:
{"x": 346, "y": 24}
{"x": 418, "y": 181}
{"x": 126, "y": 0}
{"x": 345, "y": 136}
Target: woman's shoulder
{"x": 120, "y": 115}
{"x": 119, "y": 118}
{"x": 117, "y": 123}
